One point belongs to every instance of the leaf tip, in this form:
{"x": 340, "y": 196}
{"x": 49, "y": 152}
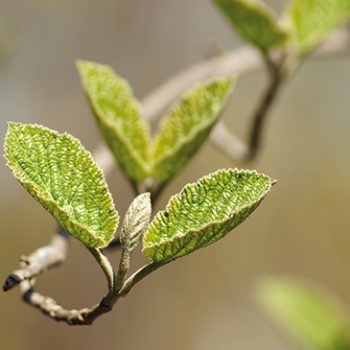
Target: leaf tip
{"x": 145, "y": 195}
{"x": 265, "y": 287}
{"x": 225, "y": 83}
{"x": 13, "y": 125}
{"x": 145, "y": 199}
{"x": 81, "y": 64}
{"x": 274, "y": 182}
{"x": 198, "y": 212}
{"x": 85, "y": 67}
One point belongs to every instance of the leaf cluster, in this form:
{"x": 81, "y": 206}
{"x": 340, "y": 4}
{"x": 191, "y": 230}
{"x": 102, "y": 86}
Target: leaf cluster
{"x": 303, "y": 25}
{"x": 58, "y": 172}
{"x": 182, "y": 132}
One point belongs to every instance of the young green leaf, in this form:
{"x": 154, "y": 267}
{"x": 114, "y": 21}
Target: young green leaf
{"x": 255, "y": 22}
{"x": 313, "y": 20}
{"x": 311, "y": 315}
{"x": 187, "y": 126}
{"x": 136, "y": 221}
{"x": 118, "y": 116}
{"x": 204, "y": 212}
{"x": 58, "y": 172}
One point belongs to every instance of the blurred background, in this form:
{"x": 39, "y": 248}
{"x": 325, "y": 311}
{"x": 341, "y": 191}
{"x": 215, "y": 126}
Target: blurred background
{"x": 205, "y": 300}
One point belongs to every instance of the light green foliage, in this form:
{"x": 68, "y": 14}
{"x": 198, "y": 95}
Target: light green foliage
{"x": 118, "y": 116}
{"x": 188, "y": 126}
{"x": 313, "y": 20}
{"x": 309, "y": 314}
{"x": 181, "y": 134}
{"x": 136, "y": 221}
{"x": 204, "y": 212}
{"x": 58, "y": 172}
{"x": 255, "y": 22}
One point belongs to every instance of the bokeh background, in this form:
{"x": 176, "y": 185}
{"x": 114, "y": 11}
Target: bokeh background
{"x": 206, "y": 300}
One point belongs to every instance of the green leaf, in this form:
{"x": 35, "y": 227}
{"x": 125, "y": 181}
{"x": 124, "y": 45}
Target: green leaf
{"x": 187, "y": 126}
{"x": 255, "y": 22}
{"x": 308, "y": 313}
{"x": 204, "y": 212}
{"x": 58, "y": 172}
{"x": 313, "y": 20}
{"x": 181, "y": 134}
{"x": 118, "y": 116}
{"x": 136, "y": 221}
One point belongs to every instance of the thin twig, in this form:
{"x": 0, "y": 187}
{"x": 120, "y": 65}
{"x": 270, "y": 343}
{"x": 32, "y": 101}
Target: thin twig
{"x": 277, "y": 73}
{"x": 228, "y": 143}
{"x": 39, "y": 262}
{"x": 232, "y": 63}
{"x": 105, "y": 265}
{"x": 51, "y": 308}
{"x": 85, "y": 316}
{"x": 139, "y": 276}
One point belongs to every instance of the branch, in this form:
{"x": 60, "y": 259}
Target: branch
{"x": 51, "y": 308}
{"x": 48, "y": 305}
{"x": 278, "y": 72}
{"x": 85, "y": 316}
{"x": 139, "y": 276}
{"x": 39, "y": 262}
{"x": 235, "y": 62}
{"x": 238, "y": 61}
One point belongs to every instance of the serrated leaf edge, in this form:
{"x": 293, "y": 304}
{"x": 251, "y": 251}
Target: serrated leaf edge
{"x": 272, "y": 17}
{"x": 134, "y": 218}
{"x": 198, "y": 128}
{"x": 191, "y": 231}
{"x": 18, "y": 176}
{"x": 96, "y": 110}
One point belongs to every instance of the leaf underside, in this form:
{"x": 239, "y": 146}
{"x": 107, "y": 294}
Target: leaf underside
{"x": 187, "y": 126}
{"x": 255, "y": 22}
{"x": 118, "y": 115}
{"x": 58, "y": 172}
{"x": 204, "y": 212}
{"x": 308, "y": 313}
{"x": 136, "y": 221}
{"x": 313, "y": 20}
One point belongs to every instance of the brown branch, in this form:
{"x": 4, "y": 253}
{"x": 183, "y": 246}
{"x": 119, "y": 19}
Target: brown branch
{"x": 277, "y": 75}
{"x": 85, "y": 316}
{"x": 51, "y": 308}
{"x": 39, "y": 262}
{"x": 338, "y": 43}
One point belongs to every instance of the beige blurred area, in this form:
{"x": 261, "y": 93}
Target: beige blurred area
{"x": 204, "y": 301}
